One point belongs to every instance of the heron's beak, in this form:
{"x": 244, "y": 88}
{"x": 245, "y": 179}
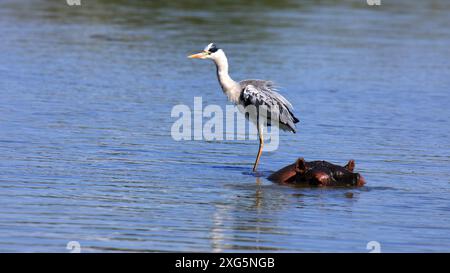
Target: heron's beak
{"x": 200, "y": 55}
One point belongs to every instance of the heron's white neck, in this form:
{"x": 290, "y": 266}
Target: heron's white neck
{"x": 229, "y": 86}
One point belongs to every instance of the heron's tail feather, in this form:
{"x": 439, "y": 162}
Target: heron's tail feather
{"x": 289, "y": 127}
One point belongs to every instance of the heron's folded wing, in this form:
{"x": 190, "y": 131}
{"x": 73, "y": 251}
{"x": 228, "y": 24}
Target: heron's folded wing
{"x": 276, "y": 104}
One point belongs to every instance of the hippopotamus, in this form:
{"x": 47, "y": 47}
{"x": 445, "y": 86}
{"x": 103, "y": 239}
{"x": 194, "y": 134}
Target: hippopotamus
{"x": 318, "y": 173}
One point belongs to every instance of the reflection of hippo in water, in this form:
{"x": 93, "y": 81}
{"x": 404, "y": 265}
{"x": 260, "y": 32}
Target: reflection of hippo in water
{"x": 318, "y": 173}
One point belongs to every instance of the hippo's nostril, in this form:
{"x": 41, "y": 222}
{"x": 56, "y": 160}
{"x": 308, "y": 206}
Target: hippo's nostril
{"x": 359, "y": 180}
{"x": 356, "y": 179}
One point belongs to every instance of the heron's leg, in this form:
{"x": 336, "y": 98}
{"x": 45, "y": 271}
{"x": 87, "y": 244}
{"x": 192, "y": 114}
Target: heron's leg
{"x": 261, "y": 145}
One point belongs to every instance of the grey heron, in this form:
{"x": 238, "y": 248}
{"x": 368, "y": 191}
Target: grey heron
{"x": 258, "y": 93}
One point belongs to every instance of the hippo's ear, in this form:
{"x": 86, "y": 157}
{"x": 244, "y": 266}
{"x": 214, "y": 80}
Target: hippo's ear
{"x": 350, "y": 165}
{"x": 300, "y": 165}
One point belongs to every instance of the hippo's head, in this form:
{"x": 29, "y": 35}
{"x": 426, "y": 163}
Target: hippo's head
{"x": 322, "y": 173}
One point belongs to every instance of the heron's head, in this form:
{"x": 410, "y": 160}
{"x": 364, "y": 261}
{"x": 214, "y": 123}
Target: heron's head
{"x": 211, "y": 51}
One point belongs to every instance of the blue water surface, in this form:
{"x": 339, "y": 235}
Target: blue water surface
{"x": 86, "y": 95}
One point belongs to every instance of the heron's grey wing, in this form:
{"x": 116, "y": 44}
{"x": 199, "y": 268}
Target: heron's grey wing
{"x": 262, "y": 95}
{"x": 268, "y": 86}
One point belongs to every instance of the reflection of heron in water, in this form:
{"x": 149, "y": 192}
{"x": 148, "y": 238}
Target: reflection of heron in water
{"x": 258, "y": 93}
{"x": 228, "y": 217}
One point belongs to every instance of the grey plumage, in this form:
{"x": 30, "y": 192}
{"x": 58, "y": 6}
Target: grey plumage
{"x": 259, "y": 95}
{"x": 262, "y": 93}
